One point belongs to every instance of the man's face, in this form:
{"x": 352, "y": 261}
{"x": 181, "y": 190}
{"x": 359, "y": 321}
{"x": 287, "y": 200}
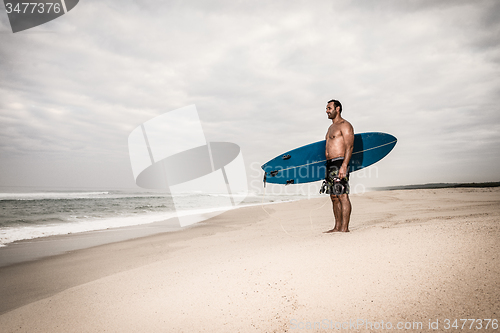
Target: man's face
{"x": 331, "y": 111}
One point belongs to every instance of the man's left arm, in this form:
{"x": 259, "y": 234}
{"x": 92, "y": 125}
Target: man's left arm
{"x": 348, "y": 134}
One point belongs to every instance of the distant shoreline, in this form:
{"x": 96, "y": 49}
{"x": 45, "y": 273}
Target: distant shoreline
{"x": 436, "y": 185}
{"x": 381, "y": 188}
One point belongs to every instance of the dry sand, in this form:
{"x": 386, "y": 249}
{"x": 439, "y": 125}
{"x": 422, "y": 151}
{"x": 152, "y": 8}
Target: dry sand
{"x": 414, "y": 256}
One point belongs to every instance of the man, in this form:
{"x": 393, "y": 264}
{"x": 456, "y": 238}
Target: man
{"x": 339, "y": 146}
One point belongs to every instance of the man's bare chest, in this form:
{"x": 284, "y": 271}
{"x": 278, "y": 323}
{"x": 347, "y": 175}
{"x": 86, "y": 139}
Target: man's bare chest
{"x": 333, "y": 133}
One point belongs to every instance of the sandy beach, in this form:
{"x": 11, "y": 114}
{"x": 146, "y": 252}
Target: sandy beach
{"x": 415, "y": 260}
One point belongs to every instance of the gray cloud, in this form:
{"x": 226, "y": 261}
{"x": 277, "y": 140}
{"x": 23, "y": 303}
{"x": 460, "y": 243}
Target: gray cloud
{"x": 260, "y": 75}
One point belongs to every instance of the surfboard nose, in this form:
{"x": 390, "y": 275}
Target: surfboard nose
{"x": 392, "y": 137}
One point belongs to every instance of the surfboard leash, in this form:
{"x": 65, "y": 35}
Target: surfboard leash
{"x": 310, "y": 212}
{"x": 279, "y": 219}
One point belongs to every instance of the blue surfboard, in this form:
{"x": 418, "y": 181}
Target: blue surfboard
{"x": 308, "y": 163}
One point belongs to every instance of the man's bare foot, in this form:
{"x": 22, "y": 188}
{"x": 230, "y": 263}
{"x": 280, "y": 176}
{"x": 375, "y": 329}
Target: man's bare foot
{"x": 335, "y": 230}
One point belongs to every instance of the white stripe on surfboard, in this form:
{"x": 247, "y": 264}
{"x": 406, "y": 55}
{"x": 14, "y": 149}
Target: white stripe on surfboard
{"x": 385, "y": 144}
{"x": 298, "y": 166}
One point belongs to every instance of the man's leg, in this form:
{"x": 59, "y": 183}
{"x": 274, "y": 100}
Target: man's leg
{"x": 337, "y": 213}
{"x": 345, "y": 205}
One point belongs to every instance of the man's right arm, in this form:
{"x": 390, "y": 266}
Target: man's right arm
{"x": 348, "y": 136}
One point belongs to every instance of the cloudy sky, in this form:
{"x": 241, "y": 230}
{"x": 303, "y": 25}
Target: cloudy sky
{"x": 260, "y": 74}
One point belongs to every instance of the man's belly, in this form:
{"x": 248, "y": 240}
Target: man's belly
{"x": 334, "y": 151}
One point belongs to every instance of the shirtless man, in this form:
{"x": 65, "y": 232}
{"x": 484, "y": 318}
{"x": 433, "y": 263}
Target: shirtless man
{"x": 339, "y": 145}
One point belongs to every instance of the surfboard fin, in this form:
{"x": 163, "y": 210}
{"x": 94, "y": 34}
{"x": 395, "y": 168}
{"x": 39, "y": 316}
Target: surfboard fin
{"x": 264, "y": 180}
{"x": 286, "y": 157}
{"x": 290, "y": 181}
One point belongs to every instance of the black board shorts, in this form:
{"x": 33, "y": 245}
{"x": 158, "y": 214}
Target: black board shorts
{"x": 332, "y": 172}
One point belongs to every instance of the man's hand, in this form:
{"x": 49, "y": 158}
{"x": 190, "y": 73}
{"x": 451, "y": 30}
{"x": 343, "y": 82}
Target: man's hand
{"x": 342, "y": 172}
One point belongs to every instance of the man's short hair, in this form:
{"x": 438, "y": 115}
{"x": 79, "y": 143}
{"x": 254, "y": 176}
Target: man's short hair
{"x": 335, "y": 104}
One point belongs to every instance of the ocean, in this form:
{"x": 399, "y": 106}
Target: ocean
{"x": 34, "y": 214}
